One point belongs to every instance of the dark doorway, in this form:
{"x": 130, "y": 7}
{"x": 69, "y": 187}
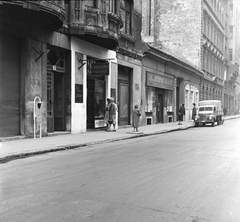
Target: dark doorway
{"x": 177, "y": 95}
{"x": 124, "y": 95}
{"x": 96, "y": 102}
{"x": 59, "y": 111}
{"x": 160, "y": 108}
{"x": 56, "y": 91}
{"x": 55, "y": 102}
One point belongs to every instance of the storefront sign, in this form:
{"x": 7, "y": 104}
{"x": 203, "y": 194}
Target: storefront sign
{"x": 78, "y": 93}
{"x": 160, "y": 81}
{"x": 100, "y": 69}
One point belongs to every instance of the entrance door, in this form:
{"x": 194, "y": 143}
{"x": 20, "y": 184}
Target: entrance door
{"x": 123, "y": 92}
{"x": 160, "y": 108}
{"x": 50, "y": 99}
{"x": 59, "y": 114}
{"x": 90, "y": 103}
{"x": 55, "y": 102}
{"x": 9, "y": 86}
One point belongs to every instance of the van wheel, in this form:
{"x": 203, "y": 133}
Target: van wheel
{"x": 196, "y": 124}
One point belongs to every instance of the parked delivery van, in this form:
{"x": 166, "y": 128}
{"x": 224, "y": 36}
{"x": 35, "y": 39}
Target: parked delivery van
{"x": 209, "y": 112}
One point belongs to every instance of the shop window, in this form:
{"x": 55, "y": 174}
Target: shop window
{"x": 150, "y": 99}
{"x": 99, "y": 98}
{"x": 169, "y": 98}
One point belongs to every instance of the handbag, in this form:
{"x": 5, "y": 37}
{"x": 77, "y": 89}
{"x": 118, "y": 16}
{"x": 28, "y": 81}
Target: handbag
{"x": 110, "y": 120}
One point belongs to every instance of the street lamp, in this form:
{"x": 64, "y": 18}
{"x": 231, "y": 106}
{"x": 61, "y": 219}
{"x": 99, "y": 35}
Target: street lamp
{"x": 34, "y": 115}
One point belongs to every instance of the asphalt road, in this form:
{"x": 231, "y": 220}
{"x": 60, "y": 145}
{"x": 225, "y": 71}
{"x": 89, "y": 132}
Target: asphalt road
{"x": 191, "y": 175}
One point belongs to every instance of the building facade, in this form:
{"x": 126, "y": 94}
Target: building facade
{"x": 174, "y": 27}
{"x": 58, "y": 64}
{"x": 197, "y": 32}
{"x": 129, "y": 59}
{"x": 166, "y": 83}
{"x": 232, "y": 56}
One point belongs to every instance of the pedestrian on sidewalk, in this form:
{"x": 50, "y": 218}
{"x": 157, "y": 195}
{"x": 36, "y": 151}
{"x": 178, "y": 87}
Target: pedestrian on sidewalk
{"x": 225, "y": 111}
{"x": 194, "y": 111}
{"x": 181, "y": 113}
{"x": 136, "y": 118}
{"x": 112, "y": 115}
{"x": 106, "y": 118}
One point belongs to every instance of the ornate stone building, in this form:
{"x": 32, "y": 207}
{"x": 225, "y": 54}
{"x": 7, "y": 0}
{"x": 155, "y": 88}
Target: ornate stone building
{"x": 51, "y": 53}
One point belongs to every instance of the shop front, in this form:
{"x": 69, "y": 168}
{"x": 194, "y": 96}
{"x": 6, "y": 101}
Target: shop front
{"x": 94, "y": 71}
{"x": 159, "y": 98}
{"x": 96, "y": 92}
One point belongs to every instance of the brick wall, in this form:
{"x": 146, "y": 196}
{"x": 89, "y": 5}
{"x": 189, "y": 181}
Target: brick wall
{"x": 177, "y": 27}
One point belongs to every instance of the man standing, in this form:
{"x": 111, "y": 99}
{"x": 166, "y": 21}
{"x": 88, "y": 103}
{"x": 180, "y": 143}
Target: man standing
{"x": 181, "y": 113}
{"x": 194, "y": 111}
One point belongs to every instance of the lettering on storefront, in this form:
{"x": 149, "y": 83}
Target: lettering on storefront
{"x": 160, "y": 81}
{"x": 100, "y": 69}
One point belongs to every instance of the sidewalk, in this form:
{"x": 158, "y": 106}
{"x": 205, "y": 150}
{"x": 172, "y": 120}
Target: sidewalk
{"x": 26, "y": 147}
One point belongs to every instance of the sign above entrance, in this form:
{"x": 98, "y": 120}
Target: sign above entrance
{"x": 100, "y": 69}
{"x": 160, "y": 81}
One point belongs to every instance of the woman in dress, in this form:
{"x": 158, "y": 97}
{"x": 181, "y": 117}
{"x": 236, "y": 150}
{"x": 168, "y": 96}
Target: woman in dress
{"x": 135, "y": 118}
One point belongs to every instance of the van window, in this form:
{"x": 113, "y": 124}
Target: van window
{"x": 208, "y": 109}
{"x": 205, "y": 109}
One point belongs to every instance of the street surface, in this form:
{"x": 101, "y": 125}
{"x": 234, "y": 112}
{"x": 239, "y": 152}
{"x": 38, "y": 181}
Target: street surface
{"x": 185, "y": 176}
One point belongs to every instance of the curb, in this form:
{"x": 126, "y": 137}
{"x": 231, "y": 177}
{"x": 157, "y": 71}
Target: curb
{"x": 75, "y": 146}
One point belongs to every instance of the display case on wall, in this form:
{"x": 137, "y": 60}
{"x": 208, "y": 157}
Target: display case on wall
{"x": 150, "y": 100}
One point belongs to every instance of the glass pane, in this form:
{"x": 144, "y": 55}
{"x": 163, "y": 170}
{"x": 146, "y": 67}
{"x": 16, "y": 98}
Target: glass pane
{"x": 99, "y": 99}
{"x": 124, "y": 101}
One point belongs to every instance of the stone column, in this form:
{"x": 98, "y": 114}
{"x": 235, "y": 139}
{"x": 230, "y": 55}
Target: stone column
{"x": 32, "y": 77}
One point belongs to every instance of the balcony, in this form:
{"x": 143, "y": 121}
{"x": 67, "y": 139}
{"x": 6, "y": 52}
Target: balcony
{"x": 49, "y": 14}
{"x": 95, "y": 26}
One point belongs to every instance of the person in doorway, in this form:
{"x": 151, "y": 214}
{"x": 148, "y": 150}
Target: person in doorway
{"x": 107, "y": 113}
{"x": 181, "y": 113}
{"x": 194, "y": 111}
{"x": 225, "y": 111}
{"x": 135, "y": 118}
{"x": 112, "y": 115}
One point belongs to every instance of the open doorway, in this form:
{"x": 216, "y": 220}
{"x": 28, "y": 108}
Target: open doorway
{"x": 160, "y": 108}
{"x": 56, "y": 118}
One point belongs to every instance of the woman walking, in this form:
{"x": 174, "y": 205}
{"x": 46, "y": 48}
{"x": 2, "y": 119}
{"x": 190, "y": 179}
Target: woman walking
{"x": 135, "y": 118}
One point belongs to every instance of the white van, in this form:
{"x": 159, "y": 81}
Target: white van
{"x": 209, "y": 112}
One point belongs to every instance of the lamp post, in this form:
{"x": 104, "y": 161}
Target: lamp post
{"x": 34, "y": 115}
